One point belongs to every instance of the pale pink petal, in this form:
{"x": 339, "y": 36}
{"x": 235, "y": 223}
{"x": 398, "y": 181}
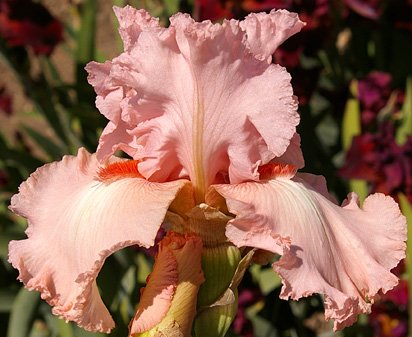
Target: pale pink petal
{"x": 345, "y": 253}
{"x": 293, "y": 154}
{"x": 132, "y": 23}
{"x": 109, "y": 141}
{"x": 76, "y": 219}
{"x": 196, "y": 103}
{"x": 318, "y": 183}
{"x": 266, "y": 32}
{"x": 157, "y": 296}
{"x": 109, "y": 94}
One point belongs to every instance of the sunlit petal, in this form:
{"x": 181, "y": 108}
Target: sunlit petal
{"x": 293, "y": 154}
{"x": 78, "y": 214}
{"x": 266, "y": 32}
{"x": 132, "y": 23}
{"x": 202, "y": 106}
{"x": 343, "y": 252}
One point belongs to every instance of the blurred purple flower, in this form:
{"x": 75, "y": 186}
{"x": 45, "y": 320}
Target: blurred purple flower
{"x": 399, "y": 295}
{"x": 249, "y": 294}
{"x": 387, "y": 324}
{"x": 26, "y": 23}
{"x": 378, "y": 159}
{"x": 389, "y": 317}
{"x": 373, "y": 93}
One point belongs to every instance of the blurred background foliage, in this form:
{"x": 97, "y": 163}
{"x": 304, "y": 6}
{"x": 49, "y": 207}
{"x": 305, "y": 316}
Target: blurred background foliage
{"x": 351, "y": 70}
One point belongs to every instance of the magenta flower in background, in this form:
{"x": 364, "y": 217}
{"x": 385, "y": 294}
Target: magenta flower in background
{"x": 26, "y": 23}
{"x": 210, "y": 124}
{"x": 378, "y": 159}
{"x": 389, "y": 317}
{"x": 398, "y": 295}
{"x": 249, "y": 294}
{"x": 373, "y": 94}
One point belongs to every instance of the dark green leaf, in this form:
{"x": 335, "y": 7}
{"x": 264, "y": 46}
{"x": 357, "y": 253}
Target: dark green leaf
{"x": 405, "y": 129}
{"x": 23, "y": 313}
{"x": 86, "y": 34}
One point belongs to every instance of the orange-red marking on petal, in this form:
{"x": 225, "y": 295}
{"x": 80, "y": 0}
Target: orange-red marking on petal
{"x": 273, "y": 170}
{"x": 118, "y": 170}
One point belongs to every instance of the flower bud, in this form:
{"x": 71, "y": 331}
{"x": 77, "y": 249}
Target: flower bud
{"x": 168, "y": 303}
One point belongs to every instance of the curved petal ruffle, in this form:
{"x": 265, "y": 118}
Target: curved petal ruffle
{"x": 266, "y": 32}
{"x": 201, "y": 106}
{"x": 343, "y": 252}
{"x": 132, "y": 22}
{"x": 78, "y": 214}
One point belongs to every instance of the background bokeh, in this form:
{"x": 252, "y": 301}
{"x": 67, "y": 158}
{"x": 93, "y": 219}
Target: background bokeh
{"x": 351, "y": 68}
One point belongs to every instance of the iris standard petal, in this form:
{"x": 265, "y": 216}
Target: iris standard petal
{"x": 132, "y": 22}
{"x": 202, "y": 106}
{"x": 293, "y": 154}
{"x": 78, "y": 214}
{"x": 345, "y": 253}
{"x": 266, "y": 32}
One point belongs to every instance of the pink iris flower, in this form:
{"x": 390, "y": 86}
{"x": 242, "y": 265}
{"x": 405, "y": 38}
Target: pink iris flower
{"x": 210, "y": 123}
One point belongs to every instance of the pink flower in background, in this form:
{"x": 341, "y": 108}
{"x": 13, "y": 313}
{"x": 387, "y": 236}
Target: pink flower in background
{"x": 210, "y": 124}
{"x": 26, "y": 23}
{"x": 370, "y": 9}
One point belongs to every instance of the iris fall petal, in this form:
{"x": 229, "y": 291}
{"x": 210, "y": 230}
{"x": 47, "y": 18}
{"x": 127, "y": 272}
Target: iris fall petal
{"x": 76, "y": 219}
{"x": 345, "y": 253}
